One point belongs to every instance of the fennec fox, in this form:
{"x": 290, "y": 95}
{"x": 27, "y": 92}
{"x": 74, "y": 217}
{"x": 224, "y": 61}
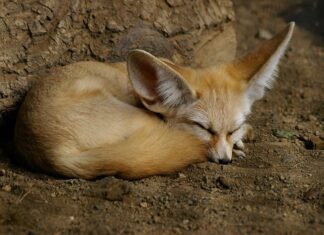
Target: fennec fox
{"x": 145, "y": 117}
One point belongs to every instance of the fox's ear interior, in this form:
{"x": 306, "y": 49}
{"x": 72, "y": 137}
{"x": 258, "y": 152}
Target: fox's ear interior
{"x": 259, "y": 68}
{"x": 159, "y": 86}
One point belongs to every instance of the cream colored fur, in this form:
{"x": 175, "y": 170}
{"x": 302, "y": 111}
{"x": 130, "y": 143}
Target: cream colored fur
{"x": 144, "y": 117}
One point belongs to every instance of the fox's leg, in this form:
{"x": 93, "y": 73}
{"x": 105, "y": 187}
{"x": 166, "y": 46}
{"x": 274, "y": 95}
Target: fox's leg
{"x": 238, "y": 149}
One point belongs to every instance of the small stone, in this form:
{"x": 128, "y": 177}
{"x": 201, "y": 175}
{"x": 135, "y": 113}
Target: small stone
{"x": 53, "y": 195}
{"x": 175, "y": 3}
{"x": 112, "y": 25}
{"x": 264, "y": 34}
{"x": 36, "y": 28}
{"x": 116, "y": 192}
{"x": 177, "y": 230}
{"x": 181, "y": 175}
{"x": 185, "y": 221}
{"x": 289, "y": 159}
{"x": 317, "y": 143}
{"x": 143, "y": 204}
{"x": 7, "y": 188}
{"x": 2, "y": 172}
{"x": 248, "y": 208}
{"x": 205, "y": 179}
{"x": 311, "y": 194}
{"x": 288, "y": 120}
{"x": 223, "y": 182}
{"x": 72, "y": 218}
{"x": 299, "y": 127}
{"x": 156, "y": 219}
{"x": 312, "y": 118}
{"x": 317, "y": 133}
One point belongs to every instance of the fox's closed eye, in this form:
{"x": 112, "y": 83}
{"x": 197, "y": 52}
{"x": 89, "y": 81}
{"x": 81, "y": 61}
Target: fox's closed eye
{"x": 210, "y": 130}
{"x": 233, "y": 131}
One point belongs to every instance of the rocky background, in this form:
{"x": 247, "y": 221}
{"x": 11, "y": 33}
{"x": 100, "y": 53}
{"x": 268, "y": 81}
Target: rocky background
{"x": 39, "y": 34}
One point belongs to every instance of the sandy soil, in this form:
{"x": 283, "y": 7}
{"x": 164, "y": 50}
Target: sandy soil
{"x": 277, "y": 189}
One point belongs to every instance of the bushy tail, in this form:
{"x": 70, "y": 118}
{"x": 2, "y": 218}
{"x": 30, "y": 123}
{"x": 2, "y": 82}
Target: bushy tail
{"x": 145, "y": 153}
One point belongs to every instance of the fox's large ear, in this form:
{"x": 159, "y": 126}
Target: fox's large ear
{"x": 159, "y": 86}
{"x": 259, "y": 68}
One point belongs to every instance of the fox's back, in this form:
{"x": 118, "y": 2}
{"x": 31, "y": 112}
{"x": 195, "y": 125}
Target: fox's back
{"x": 77, "y": 107}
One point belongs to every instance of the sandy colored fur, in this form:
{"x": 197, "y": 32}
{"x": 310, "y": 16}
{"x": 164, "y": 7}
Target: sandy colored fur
{"x": 147, "y": 152}
{"x": 84, "y": 120}
{"x": 144, "y": 117}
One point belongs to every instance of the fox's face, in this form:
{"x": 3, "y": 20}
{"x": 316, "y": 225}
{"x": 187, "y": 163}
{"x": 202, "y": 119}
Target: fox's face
{"x": 211, "y": 103}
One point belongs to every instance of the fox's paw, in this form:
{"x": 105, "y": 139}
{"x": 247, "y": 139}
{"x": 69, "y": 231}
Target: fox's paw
{"x": 249, "y": 133}
{"x": 238, "y": 149}
{"x": 248, "y": 136}
{"x": 239, "y": 154}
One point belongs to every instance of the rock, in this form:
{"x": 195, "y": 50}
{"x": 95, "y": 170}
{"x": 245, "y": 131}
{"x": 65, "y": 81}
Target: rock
{"x": 300, "y": 127}
{"x": 248, "y": 208}
{"x": 36, "y": 29}
{"x": 311, "y": 194}
{"x": 174, "y": 3}
{"x": 7, "y": 188}
{"x": 2, "y": 172}
{"x": 113, "y": 191}
{"x": 317, "y": 143}
{"x": 143, "y": 204}
{"x": 264, "y": 34}
{"x": 289, "y": 120}
{"x": 223, "y": 182}
{"x": 289, "y": 159}
{"x": 182, "y": 176}
{"x": 185, "y": 221}
{"x": 112, "y": 25}
{"x": 118, "y": 192}
{"x": 312, "y": 118}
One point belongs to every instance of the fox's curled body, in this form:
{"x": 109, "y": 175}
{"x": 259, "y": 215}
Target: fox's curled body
{"x": 97, "y": 127}
{"x": 90, "y": 119}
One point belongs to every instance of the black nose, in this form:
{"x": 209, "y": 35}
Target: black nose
{"x": 224, "y": 161}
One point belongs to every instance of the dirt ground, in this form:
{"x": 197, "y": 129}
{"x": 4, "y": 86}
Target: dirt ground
{"x": 277, "y": 189}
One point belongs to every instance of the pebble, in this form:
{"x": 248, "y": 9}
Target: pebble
{"x": 300, "y": 127}
{"x": 143, "y": 204}
{"x": 156, "y": 219}
{"x": 2, "y": 172}
{"x": 223, "y": 182}
{"x": 115, "y": 192}
{"x": 264, "y": 34}
{"x": 317, "y": 143}
{"x": 177, "y": 230}
{"x": 185, "y": 221}
{"x": 7, "y": 188}
{"x": 289, "y": 159}
{"x": 312, "y": 118}
{"x": 248, "y": 208}
{"x": 181, "y": 175}
{"x": 311, "y": 194}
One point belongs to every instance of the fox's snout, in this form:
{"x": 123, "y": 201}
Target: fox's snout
{"x": 221, "y": 152}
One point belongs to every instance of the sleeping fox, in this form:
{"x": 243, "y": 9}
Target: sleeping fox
{"x": 147, "y": 116}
